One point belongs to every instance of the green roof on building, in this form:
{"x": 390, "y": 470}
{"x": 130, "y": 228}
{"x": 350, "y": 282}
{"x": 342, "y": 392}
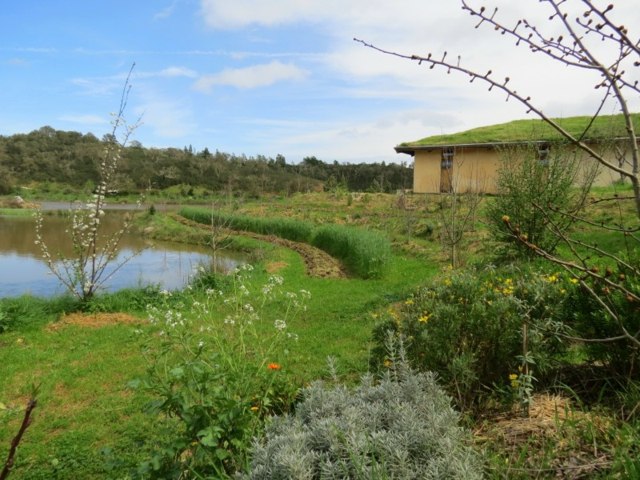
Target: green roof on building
{"x": 523, "y": 131}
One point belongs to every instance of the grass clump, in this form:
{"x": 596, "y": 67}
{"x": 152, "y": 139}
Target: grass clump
{"x": 401, "y": 426}
{"x": 27, "y": 312}
{"x": 365, "y": 253}
{"x": 295, "y": 230}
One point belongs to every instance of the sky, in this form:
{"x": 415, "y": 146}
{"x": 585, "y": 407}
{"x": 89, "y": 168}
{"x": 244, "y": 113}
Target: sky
{"x": 269, "y": 77}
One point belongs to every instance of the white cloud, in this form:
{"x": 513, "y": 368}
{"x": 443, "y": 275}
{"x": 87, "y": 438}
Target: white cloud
{"x": 97, "y": 86}
{"x": 166, "y": 12}
{"x": 178, "y": 72}
{"x": 85, "y": 119}
{"x": 251, "y": 77}
{"x": 169, "y": 72}
{"x": 168, "y": 118}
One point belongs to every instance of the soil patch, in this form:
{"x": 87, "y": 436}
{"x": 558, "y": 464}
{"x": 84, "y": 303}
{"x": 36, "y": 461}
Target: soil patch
{"x": 93, "y": 320}
{"x": 275, "y": 267}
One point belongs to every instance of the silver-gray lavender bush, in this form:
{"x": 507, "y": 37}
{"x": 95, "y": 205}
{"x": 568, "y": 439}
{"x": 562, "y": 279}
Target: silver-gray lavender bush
{"x": 400, "y": 427}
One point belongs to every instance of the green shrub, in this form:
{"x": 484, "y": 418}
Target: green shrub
{"x": 589, "y": 319}
{"x": 217, "y": 369}
{"x": 126, "y": 299}
{"x": 365, "y": 253}
{"x": 536, "y": 192}
{"x": 401, "y": 426}
{"x": 468, "y": 328}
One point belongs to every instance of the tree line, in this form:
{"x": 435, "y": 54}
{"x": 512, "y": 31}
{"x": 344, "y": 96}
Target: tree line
{"x": 72, "y": 158}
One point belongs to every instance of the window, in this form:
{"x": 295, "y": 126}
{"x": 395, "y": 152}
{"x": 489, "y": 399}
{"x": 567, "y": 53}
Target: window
{"x": 447, "y": 158}
{"x": 543, "y": 153}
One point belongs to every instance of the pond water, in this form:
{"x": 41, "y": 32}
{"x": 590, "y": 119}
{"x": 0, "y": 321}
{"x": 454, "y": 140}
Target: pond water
{"x": 22, "y": 270}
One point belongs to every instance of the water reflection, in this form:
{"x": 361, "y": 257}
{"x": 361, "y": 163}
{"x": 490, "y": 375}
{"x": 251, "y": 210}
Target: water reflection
{"x": 22, "y": 270}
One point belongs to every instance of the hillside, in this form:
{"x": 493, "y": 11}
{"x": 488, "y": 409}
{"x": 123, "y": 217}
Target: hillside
{"x": 47, "y": 155}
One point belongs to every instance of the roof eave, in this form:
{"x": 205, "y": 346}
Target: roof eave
{"x": 411, "y": 149}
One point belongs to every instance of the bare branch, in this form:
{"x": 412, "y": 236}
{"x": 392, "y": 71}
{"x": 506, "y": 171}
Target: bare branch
{"x": 26, "y": 422}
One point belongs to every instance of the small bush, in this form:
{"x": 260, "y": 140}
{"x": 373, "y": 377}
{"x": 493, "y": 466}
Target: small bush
{"x": 537, "y": 195}
{"x": 467, "y": 327}
{"x": 400, "y": 427}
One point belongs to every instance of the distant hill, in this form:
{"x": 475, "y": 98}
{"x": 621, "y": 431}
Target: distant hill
{"x": 71, "y": 158}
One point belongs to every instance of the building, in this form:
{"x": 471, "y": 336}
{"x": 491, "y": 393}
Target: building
{"x": 471, "y": 160}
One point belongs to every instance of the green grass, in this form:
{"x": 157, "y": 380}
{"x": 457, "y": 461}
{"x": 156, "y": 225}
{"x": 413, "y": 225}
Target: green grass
{"x": 89, "y": 424}
{"x": 364, "y": 252}
{"x": 605, "y": 127}
{"x": 16, "y": 212}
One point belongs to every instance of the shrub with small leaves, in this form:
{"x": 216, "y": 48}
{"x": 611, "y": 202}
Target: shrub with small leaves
{"x": 468, "y": 327}
{"x": 400, "y": 426}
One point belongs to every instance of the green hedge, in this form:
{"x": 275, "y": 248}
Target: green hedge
{"x": 365, "y": 253}
{"x": 281, "y": 227}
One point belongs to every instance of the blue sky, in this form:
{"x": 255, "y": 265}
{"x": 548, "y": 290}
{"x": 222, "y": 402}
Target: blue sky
{"x": 270, "y": 77}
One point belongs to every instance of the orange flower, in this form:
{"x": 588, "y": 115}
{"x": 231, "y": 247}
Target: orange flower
{"x": 274, "y": 366}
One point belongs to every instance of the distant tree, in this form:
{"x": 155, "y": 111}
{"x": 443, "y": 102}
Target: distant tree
{"x": 280, "y": 160}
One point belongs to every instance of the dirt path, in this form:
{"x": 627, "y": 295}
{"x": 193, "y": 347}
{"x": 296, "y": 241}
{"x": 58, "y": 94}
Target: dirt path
{"x": 318, "y": 262}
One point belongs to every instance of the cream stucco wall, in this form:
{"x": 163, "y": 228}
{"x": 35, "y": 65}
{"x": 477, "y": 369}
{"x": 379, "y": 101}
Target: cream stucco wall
{"x": 476, "y": 168}
{"x": 473, "y": 169}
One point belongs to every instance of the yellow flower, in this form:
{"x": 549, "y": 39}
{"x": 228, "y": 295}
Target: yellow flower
{"x": 505, "y": 218}
{"x": 409, "y": 301}
{"x": 513, "y": 376}
{"x": 387, "y": 363}
{"x": 573, "y": 280}
{"x": 552, "y": 278}
{"x": 255, "y": 408}
{"x": 424, "y": 318}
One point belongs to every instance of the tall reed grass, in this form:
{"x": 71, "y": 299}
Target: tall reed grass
{"x": 365, "y": 253}
{"x": 290, "y": 229}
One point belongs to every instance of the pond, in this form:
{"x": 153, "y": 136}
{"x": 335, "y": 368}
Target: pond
{"x": 22, "y": 270}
